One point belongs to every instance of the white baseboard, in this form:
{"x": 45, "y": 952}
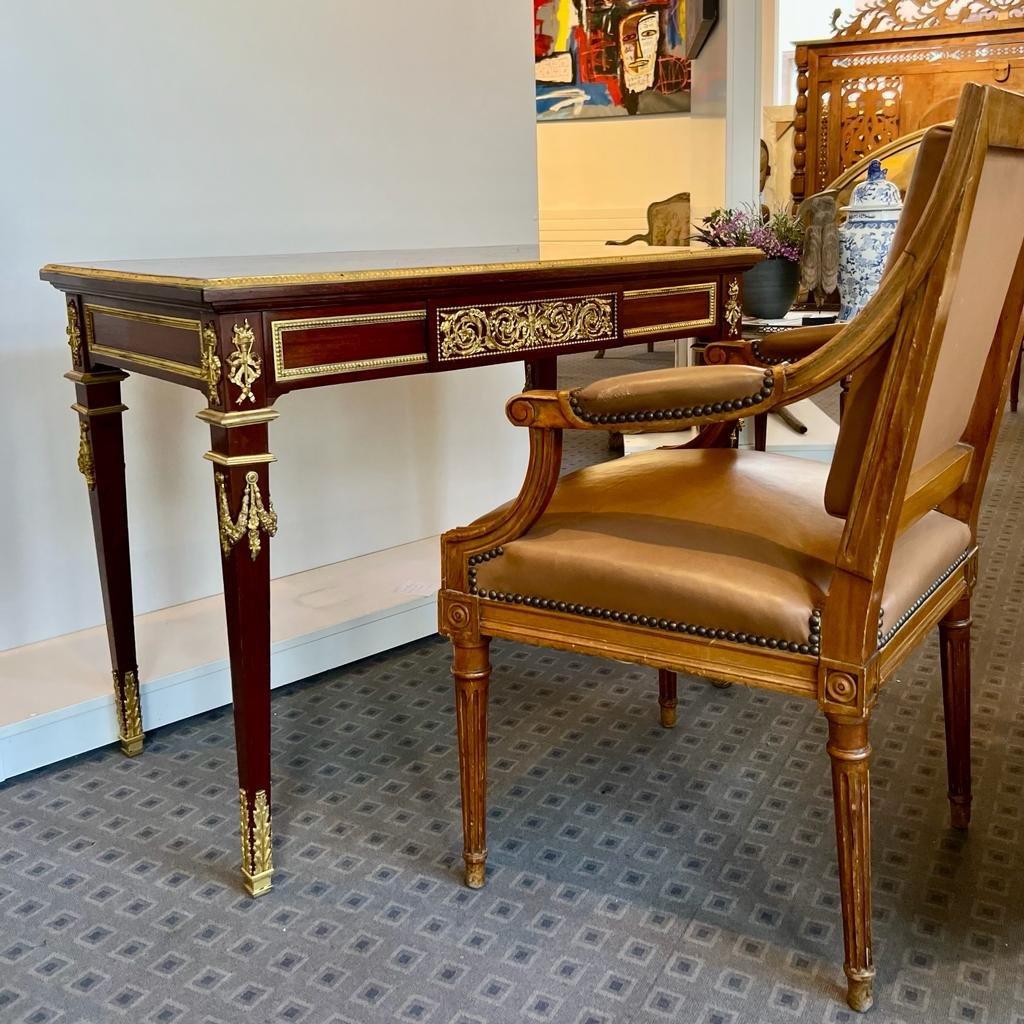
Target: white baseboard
{"x": 56, "y": 699}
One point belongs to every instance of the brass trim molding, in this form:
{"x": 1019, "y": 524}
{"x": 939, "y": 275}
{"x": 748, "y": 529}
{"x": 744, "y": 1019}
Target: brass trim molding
{"x": 679, "y": 325}
{"x": 74, "y": 332}
{"x": 144, "y": 358}
{"x": 209, "y": 364}
{"x": 86, "y": 463}
{"x": 100, "y": 410}
{"x": 95, "y": 377}
{"x": 238, "y": 460}
{"x": 711, "y": 287}
{"x": 244, "y": 365}
{"x": 252, "y": 516}
{"x": 467, "y": 332}
{"x": 397, "y": 274}
{"x": 231, "y": 420}
{"x": 280, "y": 328}
{"x": 257, "y": 842}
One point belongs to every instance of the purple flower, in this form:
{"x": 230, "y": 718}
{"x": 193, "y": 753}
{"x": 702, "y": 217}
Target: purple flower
{"x": 778, "y": 236}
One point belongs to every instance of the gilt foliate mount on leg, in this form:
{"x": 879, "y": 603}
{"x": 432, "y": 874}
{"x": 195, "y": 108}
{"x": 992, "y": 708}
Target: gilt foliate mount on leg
{"x": 257, "y": 842}
{"x": 253, "y": 516}
{"x": 129, "y": 711}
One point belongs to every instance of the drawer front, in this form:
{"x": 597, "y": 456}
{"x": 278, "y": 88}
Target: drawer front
{"x": 171, "y": 345}
{"x": 528, "y": 325}
{"x": 674, "y": 310}
{"x": 326, "y": 343}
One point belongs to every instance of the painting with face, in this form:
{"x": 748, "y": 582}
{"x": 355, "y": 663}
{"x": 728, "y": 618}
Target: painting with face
{"x": 610, "y": 58}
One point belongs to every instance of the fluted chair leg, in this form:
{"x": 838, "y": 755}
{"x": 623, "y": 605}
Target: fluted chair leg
{"x": 955, "y": 655}
{"x": 471, "y": 669}
{"x": 850, "y": 752}
{"x": 667, "y": 697}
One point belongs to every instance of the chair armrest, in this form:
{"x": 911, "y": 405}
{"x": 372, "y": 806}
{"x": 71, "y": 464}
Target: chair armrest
{"x": 791, "y": 345}
{"x": 772, "y": 349}
{"x": 656, "y": 400}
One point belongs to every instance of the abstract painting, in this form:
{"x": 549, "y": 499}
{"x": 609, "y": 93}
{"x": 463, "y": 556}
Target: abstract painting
{"x": 609, "y": 58}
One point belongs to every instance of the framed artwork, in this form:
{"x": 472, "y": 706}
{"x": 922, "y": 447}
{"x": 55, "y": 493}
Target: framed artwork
{"x": 610, "y": 58}
{"x": 701, "y": 16}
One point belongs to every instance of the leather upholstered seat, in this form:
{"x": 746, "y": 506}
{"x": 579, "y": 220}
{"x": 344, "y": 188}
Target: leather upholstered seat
{"x": 714, "y": 542}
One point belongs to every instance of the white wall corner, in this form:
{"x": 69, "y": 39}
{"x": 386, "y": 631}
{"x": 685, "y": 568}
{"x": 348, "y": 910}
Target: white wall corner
{"x": 743, "y": 29}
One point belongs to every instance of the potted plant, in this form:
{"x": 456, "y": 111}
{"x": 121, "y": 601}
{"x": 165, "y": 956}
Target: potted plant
{"x": 770, "y": 288}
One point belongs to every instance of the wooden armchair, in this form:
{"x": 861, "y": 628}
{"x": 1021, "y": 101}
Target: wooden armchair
{"x": 766, "y": 570}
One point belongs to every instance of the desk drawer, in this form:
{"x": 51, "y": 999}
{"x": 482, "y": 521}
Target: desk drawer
{"x": 674, "y": 311}
{"x": 326, "y": 343}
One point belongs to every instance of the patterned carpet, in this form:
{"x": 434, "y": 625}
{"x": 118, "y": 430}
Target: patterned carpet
{"x": 636, "y": 875}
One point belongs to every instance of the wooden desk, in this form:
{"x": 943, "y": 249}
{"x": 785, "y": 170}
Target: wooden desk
{"x": 243, "y": 332}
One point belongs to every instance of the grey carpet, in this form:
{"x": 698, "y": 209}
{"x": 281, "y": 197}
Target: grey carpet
{"x": 636, "y": 875}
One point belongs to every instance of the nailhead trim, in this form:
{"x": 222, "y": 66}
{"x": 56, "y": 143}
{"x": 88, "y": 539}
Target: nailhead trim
{"x": 757, "y": 352}
{"x": 812, "y": 646}
{"x": 687, "y": 413}
{"x": 884, "y": 638}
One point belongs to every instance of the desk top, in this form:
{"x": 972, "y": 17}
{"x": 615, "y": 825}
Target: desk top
{"x": 213, "y": 275}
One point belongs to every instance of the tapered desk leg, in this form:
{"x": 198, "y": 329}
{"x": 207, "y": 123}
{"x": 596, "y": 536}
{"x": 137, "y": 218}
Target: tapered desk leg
{"x": 101, "y": 462}
{"x": 246, "y": 521}
{"x": 542, "y": 374}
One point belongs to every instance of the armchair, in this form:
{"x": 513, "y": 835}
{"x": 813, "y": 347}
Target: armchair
{"x": 767, "y": 570}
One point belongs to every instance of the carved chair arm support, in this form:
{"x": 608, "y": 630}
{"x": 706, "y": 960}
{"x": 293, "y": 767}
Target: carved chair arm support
{"x": 654, "y": 401}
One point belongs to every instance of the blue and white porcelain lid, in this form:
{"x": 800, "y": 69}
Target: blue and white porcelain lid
{"x": 876, "y": 194}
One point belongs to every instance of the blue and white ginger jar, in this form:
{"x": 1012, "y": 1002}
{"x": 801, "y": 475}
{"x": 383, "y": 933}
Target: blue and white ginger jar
{"x": 866, "y": 238}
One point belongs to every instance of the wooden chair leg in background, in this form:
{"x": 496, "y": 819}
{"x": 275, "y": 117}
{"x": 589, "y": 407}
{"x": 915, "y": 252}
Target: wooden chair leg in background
{"x": 1015, "y": 382}
{"x": 955, "y": 655}
{"x": 850, "y": 752}
{"x": 667, "y": 698}
{"x": 471, "y": 669}
{"x": 761, "y": 432}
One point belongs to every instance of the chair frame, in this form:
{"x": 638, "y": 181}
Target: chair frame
{"x": 847, "y": 668}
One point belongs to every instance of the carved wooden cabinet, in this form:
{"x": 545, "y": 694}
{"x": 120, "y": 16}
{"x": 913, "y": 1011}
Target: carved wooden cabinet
{"x": 883, "y": 76}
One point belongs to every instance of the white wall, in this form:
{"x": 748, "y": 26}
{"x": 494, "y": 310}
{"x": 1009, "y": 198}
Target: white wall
{"x": 134, "y": 128}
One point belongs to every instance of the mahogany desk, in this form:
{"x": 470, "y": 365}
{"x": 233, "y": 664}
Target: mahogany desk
{"x": 243, "y": 332}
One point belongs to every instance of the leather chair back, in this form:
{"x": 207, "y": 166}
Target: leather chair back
{"x": 975, "y": 290}
{"x": 866, "y": 383}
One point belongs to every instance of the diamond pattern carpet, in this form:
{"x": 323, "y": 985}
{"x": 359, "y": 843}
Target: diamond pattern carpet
{"x": 636, "y": 875}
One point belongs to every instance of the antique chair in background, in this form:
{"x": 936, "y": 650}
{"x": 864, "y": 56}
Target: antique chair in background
{"x": 762, "y": 569}
{"x": 668, "y": 223}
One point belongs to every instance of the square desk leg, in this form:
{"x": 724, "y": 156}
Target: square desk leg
{"x": 101, "y": 462}
{"x": 246, "y": 521}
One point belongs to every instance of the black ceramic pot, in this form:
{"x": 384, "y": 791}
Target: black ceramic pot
{"x": 770, "y": 288}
